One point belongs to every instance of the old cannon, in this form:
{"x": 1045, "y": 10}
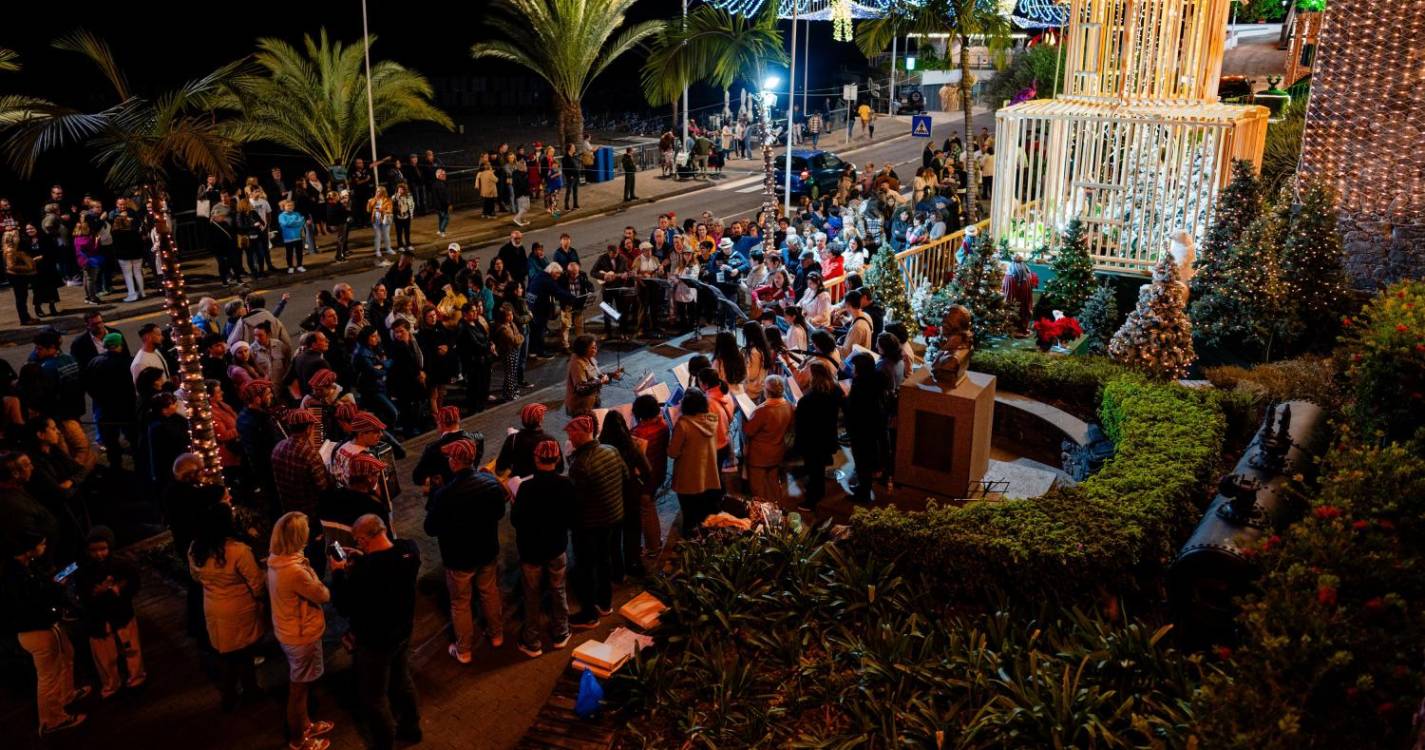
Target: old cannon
{"x": 1253, "y": 501}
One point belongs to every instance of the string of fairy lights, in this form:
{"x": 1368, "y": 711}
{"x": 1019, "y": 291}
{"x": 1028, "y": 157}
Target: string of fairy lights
{"x": 201, "y": 435}
{"x": 1366, "y": 116}
{"x": 1025, "y": 14}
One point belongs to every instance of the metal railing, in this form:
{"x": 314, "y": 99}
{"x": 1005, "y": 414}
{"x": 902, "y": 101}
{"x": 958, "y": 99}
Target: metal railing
{"x": 932, "y": 262}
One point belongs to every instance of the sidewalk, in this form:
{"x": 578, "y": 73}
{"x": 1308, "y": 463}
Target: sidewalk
{"x": 466, "y": 227}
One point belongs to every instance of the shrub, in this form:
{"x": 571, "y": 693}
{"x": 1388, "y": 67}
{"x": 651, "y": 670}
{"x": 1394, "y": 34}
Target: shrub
{"x": 1313, "y": 379}
{"x": 1131, "y": 514}
{"x": 788, "y": 639}
{"x": 1330, "y": 654}
{"x": 1384, "y": 354}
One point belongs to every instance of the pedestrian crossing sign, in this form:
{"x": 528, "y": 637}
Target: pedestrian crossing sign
{"x": 920, "y": 126}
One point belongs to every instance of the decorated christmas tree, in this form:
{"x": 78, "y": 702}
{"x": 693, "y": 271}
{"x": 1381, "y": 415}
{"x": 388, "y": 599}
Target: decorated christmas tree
{"x": 1099, "y": 319}
{"x": 1313, "y": 278}
{"x": 1238, "y": 205}
{"x": 1245, "y": 310}
{"x": 976, "y": 285}
{"x": 1157, "y": 337}
{"x": 1073, "y": 280}
{"x": 883, "y": 275}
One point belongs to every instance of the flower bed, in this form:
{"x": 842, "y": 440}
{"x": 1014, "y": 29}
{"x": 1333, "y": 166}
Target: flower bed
{"x": 1127, "y": 517}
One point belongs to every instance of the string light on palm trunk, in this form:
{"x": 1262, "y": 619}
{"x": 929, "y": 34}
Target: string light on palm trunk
{"x": 201, "y": 435}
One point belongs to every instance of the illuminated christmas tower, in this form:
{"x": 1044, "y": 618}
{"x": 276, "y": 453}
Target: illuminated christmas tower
{"x": 1365, "y": 125}
{"x": 1137, "y": 145}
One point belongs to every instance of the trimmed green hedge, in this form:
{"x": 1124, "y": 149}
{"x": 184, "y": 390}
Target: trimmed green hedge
{"x": 1133, "y": 512}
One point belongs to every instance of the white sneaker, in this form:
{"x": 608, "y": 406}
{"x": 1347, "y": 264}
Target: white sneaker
{"x": 384, "y": 263}
{"x": 456, "y": 655}
{"x": 441, "y": 234}
{"x": 131, "y": 299}
{"x": 291, "y": 270}
{"x": 301, "y": 269}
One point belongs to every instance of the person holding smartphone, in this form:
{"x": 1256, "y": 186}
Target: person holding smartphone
{"x": 32, "y": 602}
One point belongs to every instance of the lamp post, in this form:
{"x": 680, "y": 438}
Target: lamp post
{"x": 370, "y": 105}
{"x": 791, "y": 102}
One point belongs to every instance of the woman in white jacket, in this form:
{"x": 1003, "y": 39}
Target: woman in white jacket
{"x": 816, "y": 302}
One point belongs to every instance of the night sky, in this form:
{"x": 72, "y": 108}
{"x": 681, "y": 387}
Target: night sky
{"x": 433, "y": 38}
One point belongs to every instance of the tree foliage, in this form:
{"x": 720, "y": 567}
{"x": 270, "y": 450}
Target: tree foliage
{"x": 568, "y": 43}
{"x": 137, "y": 139}
{"x": 977, "y": 285}
{"x": 884, "y": 276}
{"x": 1034, "y": 66}
{"x": 313, "y": 99}
{"x": 1073, "y": 281}
{"x": 713, "y": 46}
{"x": 1099, "y": 319}
{"x": 1156, "y": 339}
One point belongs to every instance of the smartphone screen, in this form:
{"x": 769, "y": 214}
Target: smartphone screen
{"x": 67, "y": 572}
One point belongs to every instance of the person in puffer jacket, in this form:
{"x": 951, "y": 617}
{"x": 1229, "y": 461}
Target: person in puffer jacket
{"x": 297, "y": 596}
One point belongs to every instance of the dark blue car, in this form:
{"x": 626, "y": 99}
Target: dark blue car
{"x": 810, "y": 167}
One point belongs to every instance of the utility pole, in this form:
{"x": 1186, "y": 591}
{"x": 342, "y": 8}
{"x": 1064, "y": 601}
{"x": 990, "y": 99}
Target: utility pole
{"x": 370, "y": 105}
{"x": 791, "y": 103}
{"x": 806, "y": 71}
{"x": 895, "y": 59}
{"x": 686, "y": 111}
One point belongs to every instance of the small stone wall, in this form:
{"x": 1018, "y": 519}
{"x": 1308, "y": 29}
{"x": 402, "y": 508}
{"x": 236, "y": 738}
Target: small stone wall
{"x": 1379, "y": 253}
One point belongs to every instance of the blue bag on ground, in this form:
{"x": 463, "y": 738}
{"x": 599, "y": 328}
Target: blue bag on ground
{"x": 591, "y": 693}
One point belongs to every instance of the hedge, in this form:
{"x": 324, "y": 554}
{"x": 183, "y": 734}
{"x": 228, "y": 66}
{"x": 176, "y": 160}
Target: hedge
{"x": 1132, "y": 513}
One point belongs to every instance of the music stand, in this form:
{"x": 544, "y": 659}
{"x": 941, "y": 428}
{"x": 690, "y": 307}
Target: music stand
{"x": 721, "y": 302}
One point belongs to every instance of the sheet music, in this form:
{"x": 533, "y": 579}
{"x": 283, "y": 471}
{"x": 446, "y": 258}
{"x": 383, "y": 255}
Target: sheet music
{"x": 680, "y": 372}
{"x": 857, "y": 349}
{"x": 610, "y": 311}
{"x": 644, "y": 382}
{"x": 659, "y": 391}
{"x": 744, "y": 402}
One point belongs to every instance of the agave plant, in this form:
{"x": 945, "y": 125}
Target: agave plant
{"x": 313, "y": 100}
{"x": 137, "y": 139}
{"x": 568, "y": 43}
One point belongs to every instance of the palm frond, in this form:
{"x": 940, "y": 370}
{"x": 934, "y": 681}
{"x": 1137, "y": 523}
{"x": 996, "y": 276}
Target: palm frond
{"x": 86, "y": 43}
{"x": 33, "y": 126}
{"x": 9, "y": 60}
{"x": 312, "y": 99}
{"x": 713, "y": 46}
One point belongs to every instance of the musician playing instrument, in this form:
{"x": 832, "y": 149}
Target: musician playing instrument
{"x": 585, "y": 379}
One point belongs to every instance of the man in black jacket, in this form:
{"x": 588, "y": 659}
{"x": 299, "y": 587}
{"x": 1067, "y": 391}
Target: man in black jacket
{"x": 375, "y": 588}
{"x": 31, "y": 605}
{"x": 106, "y": 379}
{"x": 515, "y": 257}
{"x": 90, "y": 344}
{"x": 464, "y": 516}
{"x": 542, "y": 515}
{"x": 572, "y": 168}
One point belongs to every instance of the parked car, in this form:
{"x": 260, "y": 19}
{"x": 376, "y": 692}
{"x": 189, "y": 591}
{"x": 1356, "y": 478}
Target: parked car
{"x": 811, "y": 167}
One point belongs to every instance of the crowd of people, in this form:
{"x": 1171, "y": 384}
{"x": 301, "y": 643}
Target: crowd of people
{"x": 309, "y": 424}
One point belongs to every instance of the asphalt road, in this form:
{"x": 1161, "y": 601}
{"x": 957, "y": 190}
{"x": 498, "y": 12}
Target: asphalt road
{"x": 737, "y": 195}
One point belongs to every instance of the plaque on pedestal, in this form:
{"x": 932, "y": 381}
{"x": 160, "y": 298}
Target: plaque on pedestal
{"x": 943, "y": 434}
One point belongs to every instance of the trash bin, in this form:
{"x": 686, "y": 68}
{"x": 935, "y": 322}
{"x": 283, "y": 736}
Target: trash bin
{"x": 603, "y": 170}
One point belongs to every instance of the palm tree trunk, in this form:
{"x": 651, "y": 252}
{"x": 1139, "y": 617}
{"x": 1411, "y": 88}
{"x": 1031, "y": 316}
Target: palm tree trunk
{"x": 571, "y": 122}
{"x": 202, "y": 436}
{"x": 972, "y": 186}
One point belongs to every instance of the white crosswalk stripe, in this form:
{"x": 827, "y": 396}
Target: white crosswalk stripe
{"x": 738, "y": 184}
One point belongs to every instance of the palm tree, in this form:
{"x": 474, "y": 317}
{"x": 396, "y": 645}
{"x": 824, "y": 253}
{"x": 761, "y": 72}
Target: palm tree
{"x": 961, "y": 19}
{"x": 313, "y": 100}
{"x": 567, "y": 43}
{"x": 136, "y": 140}
{"x": 714, "y": 46}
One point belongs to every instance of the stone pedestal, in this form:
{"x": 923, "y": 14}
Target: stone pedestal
{"x": 943, "y": 434}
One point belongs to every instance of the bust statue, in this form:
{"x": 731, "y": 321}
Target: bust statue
{"x": 956, "y": 341}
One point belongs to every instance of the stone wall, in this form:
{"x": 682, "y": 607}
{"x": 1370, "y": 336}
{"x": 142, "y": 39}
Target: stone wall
{"x": 1379, "y": 253}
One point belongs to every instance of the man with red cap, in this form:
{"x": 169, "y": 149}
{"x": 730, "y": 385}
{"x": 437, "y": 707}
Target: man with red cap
{"x": 258, "y": 433}
{"x": 299, "y": 478}
{"x": 366, "y": 431}
{"x": 542, "y": 516}
{"x": 464, "y": 517}
{"x": 339, "y": 508}
{"x": 517, "y": 454}
{"x": 433, "y": 470}
{"x": 324, "y": 398}
{"x": 598, "y": 473}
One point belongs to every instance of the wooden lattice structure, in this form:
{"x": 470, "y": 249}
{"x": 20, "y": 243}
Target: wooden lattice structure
{"x": 1137, "y": 146}
{"x": 1306, "y": 27}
